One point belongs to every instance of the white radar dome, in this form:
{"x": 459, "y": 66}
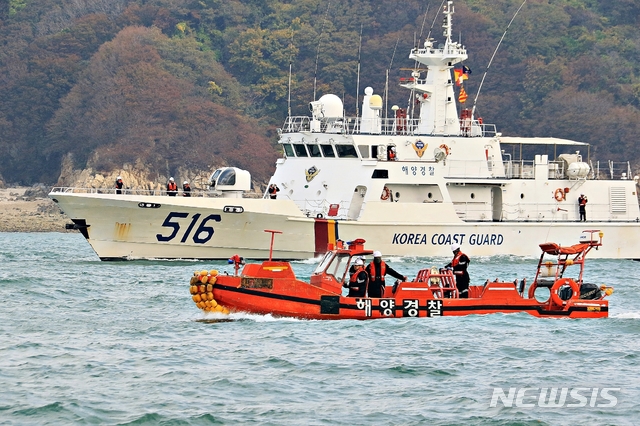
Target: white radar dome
{"x": 331, "y": 105}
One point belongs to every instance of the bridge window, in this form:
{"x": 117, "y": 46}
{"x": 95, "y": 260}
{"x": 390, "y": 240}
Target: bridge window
{"x": 327, "y": 151}
{"x": 346, "y": 151}
{"x": 364, "y": 151}
{"x": 314, "y": 150}
{"x": 380, "y": 174}
{"x": 288, "y": 150}
{"x": 300, "y": 149}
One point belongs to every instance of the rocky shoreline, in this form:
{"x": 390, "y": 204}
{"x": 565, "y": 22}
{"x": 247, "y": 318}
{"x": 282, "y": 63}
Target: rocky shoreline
{"x": 30, "y": 210}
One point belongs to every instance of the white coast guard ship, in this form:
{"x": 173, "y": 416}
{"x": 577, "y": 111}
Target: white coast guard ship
{"x": 410, "y": 185}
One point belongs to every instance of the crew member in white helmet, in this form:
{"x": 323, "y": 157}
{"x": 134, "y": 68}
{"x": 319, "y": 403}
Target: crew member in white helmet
{"x": 186, "y": 189}
{"x": 377, "y": 271}
{"x": 357, "y": 284}
{"x": 459, "y": 264}
{"x": 172, "y": 188}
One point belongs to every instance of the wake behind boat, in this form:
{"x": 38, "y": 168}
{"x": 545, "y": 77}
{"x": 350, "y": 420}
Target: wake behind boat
{"x": 272, "y": 288}
{"x": 411, "y": 184}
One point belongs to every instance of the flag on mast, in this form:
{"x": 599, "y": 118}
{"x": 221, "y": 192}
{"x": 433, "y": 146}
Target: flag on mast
{"x": 462, "y": 97}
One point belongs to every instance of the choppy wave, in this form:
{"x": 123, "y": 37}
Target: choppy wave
{"x": 84, "y": 341}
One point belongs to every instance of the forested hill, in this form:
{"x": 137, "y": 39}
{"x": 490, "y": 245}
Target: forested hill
{"x": 203, "y": 83}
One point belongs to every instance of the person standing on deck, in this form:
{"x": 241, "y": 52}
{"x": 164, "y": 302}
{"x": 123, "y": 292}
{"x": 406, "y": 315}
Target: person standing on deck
{"x": 460, "y": 263}
{"x": 357, "y": 284}
{"x": 172, "y": 188}
{"x": 377, "y": 271}
{"x": 582, "y": 204}
{"x": 186, "y": 189}
{"x": 119, "y": 185}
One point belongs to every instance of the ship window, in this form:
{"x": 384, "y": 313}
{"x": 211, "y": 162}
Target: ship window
{"x": 288, "y": 150}
{"x": 346, "y": 151}
{"x": 380, "y": 174}
{"x": 473, "y": 195}
{"x": 227, "y": 177}
{"x": 364, "y": 151}
{"x": 314, "y": 150}
{"x": 301, "y": 151}
{"x": 327, "y": 151}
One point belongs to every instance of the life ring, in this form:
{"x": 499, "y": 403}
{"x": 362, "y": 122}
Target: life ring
{"x": 386, "y": 193}
{"x": 555, "y": 297}
{"x": 559, "y": 195}
{"x": 445, "y": 148}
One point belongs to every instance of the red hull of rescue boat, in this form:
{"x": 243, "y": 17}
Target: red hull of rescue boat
{"x": 272, "y": 288}
{"x": 411, "y": 300}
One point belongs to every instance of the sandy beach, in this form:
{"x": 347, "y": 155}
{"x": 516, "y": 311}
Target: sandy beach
{"x": 28, "y": 209}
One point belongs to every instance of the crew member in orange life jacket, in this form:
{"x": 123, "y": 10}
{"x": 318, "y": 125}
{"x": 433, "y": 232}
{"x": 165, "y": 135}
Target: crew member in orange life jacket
{"x": 391, "y": 154}
{"x": 172, "y": 188}
{"x": 357, "y": 284}
{"x": 459, "y": 264}
{"x": 582, "y": 204}
{"x": 273, "y": 191}
{"x": 377, "y": 271}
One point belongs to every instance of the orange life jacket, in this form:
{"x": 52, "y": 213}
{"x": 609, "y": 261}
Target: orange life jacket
{"x": 456, "y": 259}
{"x": 171, "y": 186}
{"x": 383, "y": 270}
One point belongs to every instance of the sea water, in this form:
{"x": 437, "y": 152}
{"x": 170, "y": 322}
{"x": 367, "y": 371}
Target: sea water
{"x": 90, "y": 342}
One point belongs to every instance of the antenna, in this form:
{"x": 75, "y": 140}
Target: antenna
{"x": 386, "y": 84}
{"x": 315, "y": 73}
{"x": 434, "y": 20}
{"x": 473, "y": 110}
{"x": 358, "y": 78}
{"x": 290, "y": 68}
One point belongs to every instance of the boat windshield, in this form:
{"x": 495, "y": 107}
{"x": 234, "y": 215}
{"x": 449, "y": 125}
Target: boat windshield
{"x": 338, "y": 266}
{"x": 324, "y": 262}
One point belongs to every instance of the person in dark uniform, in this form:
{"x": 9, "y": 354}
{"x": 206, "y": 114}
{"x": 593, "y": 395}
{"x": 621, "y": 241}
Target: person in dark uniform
{"x": 273, "y": 191}
{"x": 186, "y": 189}
{"x": 119, "y": 185}
{"x": 357, "y": 284}
{"x": 172, "y": 188}
{"x": 459, "y": 264}
{"x": 377, "y": 270}
{"x": 582, "y": 204}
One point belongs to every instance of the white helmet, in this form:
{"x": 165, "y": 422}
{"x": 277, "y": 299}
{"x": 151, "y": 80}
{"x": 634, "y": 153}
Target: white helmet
{"x": 377, "y": 254}
{"x": 171, "y": 179}
{"x": 455, "y": 246}
{"x": 119, "y": 177}
{"x": 393, "y": 148}
{"x": 186, "y": 182}
{"x": 359, "y": 262}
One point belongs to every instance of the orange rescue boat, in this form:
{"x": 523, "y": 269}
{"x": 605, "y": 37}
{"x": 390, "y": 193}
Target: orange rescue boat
{"x": 271, "y": 287}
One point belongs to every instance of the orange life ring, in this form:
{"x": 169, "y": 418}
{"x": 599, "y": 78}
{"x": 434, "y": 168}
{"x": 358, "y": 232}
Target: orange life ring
{"x": 445, "y": 148}
{"x": 575, "y": 289}
{"x": 385, "y": 193}
{"x": 559, "y": 195}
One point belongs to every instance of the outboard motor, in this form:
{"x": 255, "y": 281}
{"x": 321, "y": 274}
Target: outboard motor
{"x": 590, "y": 291}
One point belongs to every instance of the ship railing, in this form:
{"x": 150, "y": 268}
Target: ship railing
{"x": 614, "y": 170}
{"x": 131, "y": 191}
{"x": 552, "y": 211}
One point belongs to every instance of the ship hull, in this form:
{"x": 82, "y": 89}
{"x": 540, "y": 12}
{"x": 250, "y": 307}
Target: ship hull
{"x": 148, "y": 227}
